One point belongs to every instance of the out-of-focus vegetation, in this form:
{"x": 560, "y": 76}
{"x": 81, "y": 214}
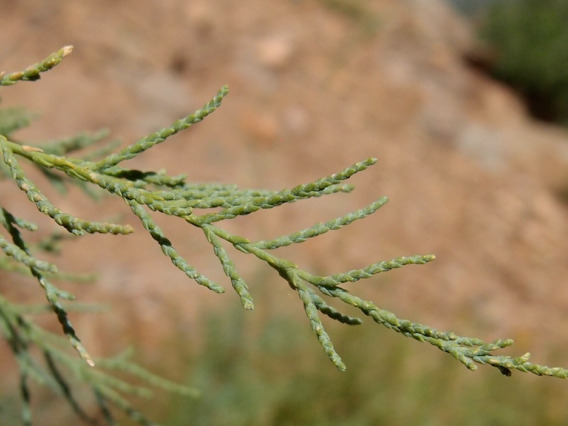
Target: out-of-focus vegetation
{"x": 470, "y": 8}
{"x": 529, "y": 40}
{"x": 254, "y": 373}
{"x": 358, "y": 12}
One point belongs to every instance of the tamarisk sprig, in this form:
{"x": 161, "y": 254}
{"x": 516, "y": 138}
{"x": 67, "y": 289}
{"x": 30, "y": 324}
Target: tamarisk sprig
{"x": 21, "y": 333}
{"x": 204, "y": 206}
{"x": 16, "y": 256}
{"x": 33, "y": 72}
{"x": 161, "y": 135}
{"x": 192, "y": 202}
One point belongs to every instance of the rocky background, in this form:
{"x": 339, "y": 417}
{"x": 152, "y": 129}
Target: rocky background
{"x": 315, "y": 86}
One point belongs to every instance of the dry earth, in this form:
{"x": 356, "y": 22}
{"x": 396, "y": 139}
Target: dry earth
{"x": 314, "y": 88}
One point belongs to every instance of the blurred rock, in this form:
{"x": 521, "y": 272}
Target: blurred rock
{"x": 275, "y": 51}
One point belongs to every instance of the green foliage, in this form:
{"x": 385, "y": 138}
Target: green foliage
{"x": 530, "y": 38}
{"x": 202, "y": 206}
{"x": 357, "y": 11}
{"x": 278, "y": 380}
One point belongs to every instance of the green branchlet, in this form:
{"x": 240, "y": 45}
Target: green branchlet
{"x": 202, "y": 206}
{"x": 33, "y": 72}
{"x": 22, "y": 333}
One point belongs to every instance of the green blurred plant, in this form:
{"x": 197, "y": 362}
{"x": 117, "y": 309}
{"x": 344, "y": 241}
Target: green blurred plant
{"x": 202, "y": 206}
{"x": 358, "y": 12}
{"x": 278, "y": 381}
{"x": 530, "y": 40}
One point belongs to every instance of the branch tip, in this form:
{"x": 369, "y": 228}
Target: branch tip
{"x": 66, "y": 50}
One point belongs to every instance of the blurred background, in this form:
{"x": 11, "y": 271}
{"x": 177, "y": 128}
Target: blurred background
{"x": 464, "y": 108}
